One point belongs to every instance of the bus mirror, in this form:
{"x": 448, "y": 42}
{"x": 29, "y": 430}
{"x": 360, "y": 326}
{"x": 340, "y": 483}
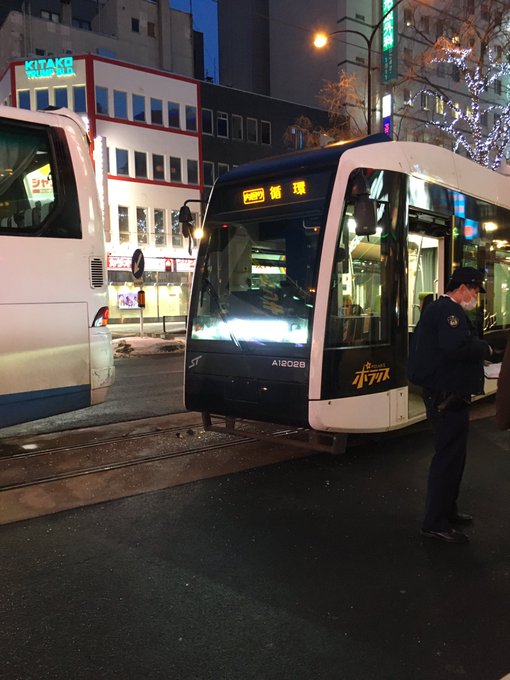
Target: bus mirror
{"x": 365, "y": 215}
{"x": 186, "y": 220}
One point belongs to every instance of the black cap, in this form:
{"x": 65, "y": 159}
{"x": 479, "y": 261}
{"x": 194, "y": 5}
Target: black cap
{"x": 467, "y": 275}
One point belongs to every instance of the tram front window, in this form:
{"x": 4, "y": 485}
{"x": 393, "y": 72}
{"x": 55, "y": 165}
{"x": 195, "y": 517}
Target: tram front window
{"x": 257, "y": 281}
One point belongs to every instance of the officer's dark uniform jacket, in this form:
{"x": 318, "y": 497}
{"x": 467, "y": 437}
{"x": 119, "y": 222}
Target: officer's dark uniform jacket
{"x": 446, "y": 356}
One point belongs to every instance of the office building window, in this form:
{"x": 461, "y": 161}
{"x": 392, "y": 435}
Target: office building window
{"x": 159, "y": 227}
{"x": 102, "y": 100}
{"x": 222, "y": 124}
{"x": 80, "y": 103}
{"x": 50, "y": 16}
{"x": 176, "y": 229}
{"x": 123, "y": 216}
{"x": 120, "y": 104}
{"x": 191, "y": 118}
{"x": 60, "y": 94}
{"x": 24, "y": 99}
{"x": 140, "y": 164}
{"x": 138, "y": 107}
{"x": 208, "y": 173}
{"x": 174, "y": 115}
{"x": 141, "y": 226}
{"x": 42, "y": 99}
{"x": 223, "y": 168}
{"x": 135, "y": 25}
{"x": 122, "y": 160}
{"x": 158, "y": 166}
{"x": 156, "y": 111}
{"x": 251, "y": 130}
{"x": 207, "y": 122}
{"x": 265, "y": 132}
{"x": 237, "y": 127}
{"x": 84, "y": 24}
{"x": 175, "y": 169}
{"x": 192, "y": 166}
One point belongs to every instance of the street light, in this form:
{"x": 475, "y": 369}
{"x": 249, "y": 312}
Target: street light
{"x": 321, "y": 40}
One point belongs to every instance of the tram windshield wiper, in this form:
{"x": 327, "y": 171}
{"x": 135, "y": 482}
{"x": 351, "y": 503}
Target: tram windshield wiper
{"x": 207, "y": 285}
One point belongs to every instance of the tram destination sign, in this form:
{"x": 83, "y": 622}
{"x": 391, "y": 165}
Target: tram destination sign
{"x": 271, "y": 194}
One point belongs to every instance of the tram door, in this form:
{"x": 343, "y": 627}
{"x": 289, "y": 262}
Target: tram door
{"x": 426, "y": 259}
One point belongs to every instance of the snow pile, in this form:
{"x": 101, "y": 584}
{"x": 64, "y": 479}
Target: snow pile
{"x": 136, "y": 346}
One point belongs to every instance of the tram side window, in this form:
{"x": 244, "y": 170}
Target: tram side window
{"x": 358, "y": 315}
{"x": 29, "y": 200}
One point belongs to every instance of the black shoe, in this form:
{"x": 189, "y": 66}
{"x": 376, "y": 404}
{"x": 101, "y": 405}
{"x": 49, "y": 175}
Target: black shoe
{"x": 460, "y": 518}
{"x": 448, "y": 536}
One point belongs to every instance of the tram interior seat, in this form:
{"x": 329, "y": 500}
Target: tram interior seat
{"x": 348, "y": 331}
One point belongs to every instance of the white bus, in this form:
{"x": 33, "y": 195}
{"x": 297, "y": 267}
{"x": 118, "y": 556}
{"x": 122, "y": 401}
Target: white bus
{"x": 55, "y": 346}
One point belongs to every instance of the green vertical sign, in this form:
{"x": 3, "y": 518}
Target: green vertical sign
{"x": 389, "y": 42}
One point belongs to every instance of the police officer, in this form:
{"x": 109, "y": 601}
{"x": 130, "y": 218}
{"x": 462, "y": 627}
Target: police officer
{"x": 446, "y": 360}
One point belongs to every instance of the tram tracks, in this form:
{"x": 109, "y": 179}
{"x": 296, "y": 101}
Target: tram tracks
{"x": 89, "y": 468}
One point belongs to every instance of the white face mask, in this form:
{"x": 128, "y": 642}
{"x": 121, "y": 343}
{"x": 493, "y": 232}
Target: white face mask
{"x": 468, "y": 306}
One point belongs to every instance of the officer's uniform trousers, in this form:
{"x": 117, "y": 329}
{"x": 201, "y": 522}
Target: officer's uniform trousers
{"x": 450, "y": 429}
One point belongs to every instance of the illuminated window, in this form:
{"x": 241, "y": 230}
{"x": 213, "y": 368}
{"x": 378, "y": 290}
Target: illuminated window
{"x": 439, "y": 106}
{"x": 156, "y": 111}
{"x": 174, "y": 120}
{"x": 42, "y": 100}
{"x": 176, "y": 229}
{"x": 159, "y": 227}
{"x": 120, "y": 104}
{"x": 191, "y": 118}
{"x": 141, "y": 226}
{"x": 60, "y": 94}
{"x": 408, "y": 17}
{"x": 138, "y": 107}
{"x": 24, "y": 99}
{"x": 80, "y": 103}
{"x": 222, "y": 124}
{"x": 251, "y": 130}
{"x": 123, "y": 218}
{"x": 102, "y": 100}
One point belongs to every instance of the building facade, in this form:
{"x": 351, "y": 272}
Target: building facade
{"x": 144, "y": 127}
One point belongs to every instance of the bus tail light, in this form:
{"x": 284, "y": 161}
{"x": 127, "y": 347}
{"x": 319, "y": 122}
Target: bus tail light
{"x": 101, "y": 318}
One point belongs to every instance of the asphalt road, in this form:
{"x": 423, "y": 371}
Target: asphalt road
{"x": 307, "y": 570}
{"x": 144, "y": 386}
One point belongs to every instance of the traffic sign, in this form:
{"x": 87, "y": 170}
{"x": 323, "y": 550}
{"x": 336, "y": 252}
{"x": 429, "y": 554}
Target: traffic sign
{"x": 137, "y": 264}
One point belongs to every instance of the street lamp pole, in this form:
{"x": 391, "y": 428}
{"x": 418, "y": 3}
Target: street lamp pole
{"x": 368, "y": 40}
